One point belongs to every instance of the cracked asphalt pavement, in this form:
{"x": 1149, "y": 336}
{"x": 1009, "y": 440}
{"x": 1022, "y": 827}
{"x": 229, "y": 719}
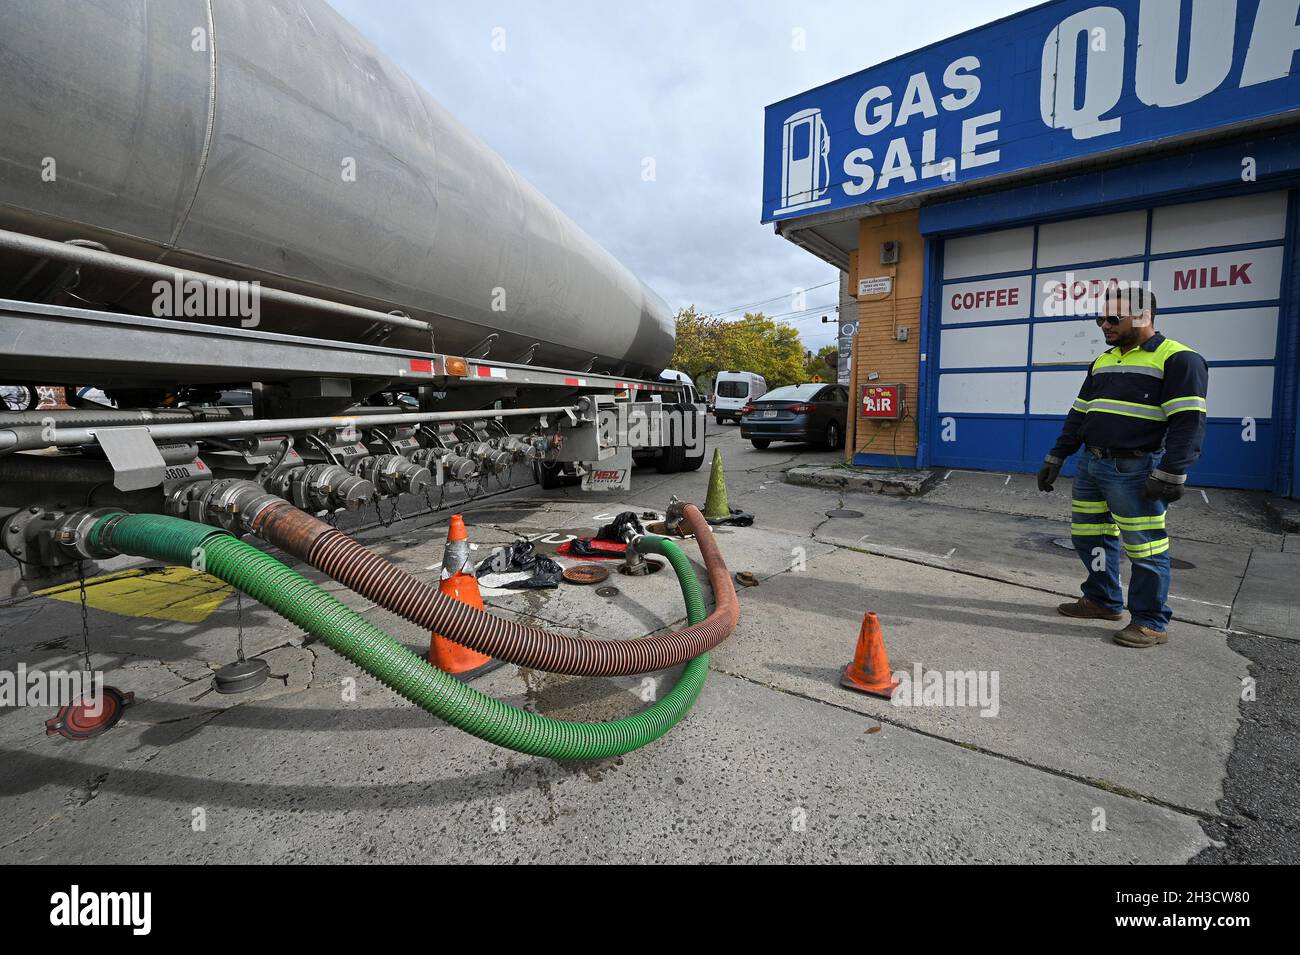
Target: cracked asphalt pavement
{"x": 1074, "y": 750}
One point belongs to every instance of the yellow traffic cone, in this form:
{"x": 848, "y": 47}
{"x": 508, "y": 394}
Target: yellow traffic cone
{"x": 715, "y": 505}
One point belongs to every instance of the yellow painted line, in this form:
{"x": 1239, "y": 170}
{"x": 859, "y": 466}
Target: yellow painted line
{"x": 172, "y": 593}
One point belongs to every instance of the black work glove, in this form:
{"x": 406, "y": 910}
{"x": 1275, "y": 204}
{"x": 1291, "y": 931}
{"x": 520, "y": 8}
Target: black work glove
{"x": 1158, "y": 490}
{"x": 1047, "y": 475}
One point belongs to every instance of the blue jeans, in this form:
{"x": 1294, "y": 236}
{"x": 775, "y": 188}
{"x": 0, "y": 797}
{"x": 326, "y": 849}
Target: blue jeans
{"x": 1108, "y": 508}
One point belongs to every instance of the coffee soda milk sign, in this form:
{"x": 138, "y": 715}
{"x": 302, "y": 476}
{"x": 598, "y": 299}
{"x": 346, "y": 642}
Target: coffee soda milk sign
{"x": 1058, "y": 83}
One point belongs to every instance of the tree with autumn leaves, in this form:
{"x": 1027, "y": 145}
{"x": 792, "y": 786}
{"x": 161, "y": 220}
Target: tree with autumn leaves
{"x": 707, "y": 345}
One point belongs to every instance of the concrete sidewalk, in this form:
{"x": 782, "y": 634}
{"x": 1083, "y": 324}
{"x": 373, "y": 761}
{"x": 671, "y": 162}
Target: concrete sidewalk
{"x": 1094, "y": 754}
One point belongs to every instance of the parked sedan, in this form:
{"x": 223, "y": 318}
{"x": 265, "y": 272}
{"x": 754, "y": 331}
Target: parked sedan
{"x": 810, "y": 412}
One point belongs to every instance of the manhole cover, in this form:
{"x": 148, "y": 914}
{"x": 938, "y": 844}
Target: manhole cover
{"x": 586, "y": 573}
{"x": 607, "y": 592}
{"x": 843, "y": 512}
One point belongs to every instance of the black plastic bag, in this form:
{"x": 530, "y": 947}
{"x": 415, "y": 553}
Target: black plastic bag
{"x": 517, "y": 557}
{"x": 613, "y": 531}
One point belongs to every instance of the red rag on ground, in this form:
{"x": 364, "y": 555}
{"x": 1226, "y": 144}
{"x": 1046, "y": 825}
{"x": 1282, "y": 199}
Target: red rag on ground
{"x": 613, "y": 550}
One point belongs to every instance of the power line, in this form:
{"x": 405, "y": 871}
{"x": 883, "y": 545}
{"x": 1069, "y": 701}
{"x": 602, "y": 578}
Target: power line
{"x": 718, "y": 313}
{"x": 823, "y": 309}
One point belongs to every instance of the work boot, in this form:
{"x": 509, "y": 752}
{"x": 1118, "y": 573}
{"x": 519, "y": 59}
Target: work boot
{"x": 1136, "y": 635}
{"x": 1083, "y": 607}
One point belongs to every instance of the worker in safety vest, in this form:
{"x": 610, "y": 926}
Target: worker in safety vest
{"x": 1144, "y": 396}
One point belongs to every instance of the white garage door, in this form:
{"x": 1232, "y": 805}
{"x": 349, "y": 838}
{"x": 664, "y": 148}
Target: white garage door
{"x": 1016, "y": 329}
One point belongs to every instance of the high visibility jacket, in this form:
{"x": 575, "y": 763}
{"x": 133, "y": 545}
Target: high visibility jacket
{"x": 1151, "y": 397}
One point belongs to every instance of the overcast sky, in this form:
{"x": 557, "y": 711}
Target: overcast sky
{"x": 584, "y": 92}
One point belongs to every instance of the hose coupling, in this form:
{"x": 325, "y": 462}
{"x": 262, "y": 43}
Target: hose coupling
{"x": 323, "y": 487}
{"x": 230, "y": 503}
{"x": 393, "y": 474}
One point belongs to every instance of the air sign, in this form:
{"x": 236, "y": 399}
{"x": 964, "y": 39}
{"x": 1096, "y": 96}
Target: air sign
{"x": 1059, "y": 82}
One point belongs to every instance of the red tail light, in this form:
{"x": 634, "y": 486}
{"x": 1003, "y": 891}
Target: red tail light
{"x": 748, "y": 409}
{"x": 802, "y": 409}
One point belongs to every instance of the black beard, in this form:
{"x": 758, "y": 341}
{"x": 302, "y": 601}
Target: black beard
{"x": 1127, "y": 339}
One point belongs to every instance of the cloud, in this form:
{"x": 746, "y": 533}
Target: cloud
{"x": 584, "y": 93}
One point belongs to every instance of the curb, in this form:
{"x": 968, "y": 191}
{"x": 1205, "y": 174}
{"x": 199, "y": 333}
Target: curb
{"x": 900, "y": 483}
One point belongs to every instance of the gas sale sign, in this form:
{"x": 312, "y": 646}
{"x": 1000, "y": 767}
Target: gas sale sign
{"x": 1057, "y": 83}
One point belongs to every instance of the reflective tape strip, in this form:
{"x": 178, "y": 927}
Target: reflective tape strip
{"x": 1089, "y": 507}
{"x": 1143, "y": 524}
{"x": 1094, "y": 530}
{"x": 1192, "y": 403}
{"x": 1146, "y": 548}
{"x": 1133, "y": 523}
{"x": 1079, "y": 405}
{"x": 1130, "y": 369}
{"x": 1128, "y": 409}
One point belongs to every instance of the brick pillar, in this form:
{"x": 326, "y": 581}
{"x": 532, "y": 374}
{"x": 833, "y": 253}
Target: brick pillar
{"x": 876, "y": 347}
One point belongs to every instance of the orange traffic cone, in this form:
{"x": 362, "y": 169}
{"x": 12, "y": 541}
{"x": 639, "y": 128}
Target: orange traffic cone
{"x": 869, "y": 672}
{"x": 459, "y": 584}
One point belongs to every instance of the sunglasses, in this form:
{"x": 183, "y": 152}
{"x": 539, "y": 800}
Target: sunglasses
{"x": 1110, "y": 319}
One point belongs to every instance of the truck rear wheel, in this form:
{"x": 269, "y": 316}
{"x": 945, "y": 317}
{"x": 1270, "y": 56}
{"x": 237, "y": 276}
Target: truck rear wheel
{"x": 759, "y": 443}
{"x": 549, "y": 476}
{"x": 672, "y": 460}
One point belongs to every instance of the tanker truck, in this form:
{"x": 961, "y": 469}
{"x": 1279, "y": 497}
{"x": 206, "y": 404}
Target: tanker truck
{"x": 284, "y": 271}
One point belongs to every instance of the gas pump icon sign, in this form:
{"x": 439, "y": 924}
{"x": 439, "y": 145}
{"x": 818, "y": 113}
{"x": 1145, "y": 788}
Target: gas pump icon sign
{"x": 805, "y": 162}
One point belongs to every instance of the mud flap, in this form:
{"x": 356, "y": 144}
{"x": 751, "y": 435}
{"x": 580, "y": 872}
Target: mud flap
{"x": 612, "y": 474}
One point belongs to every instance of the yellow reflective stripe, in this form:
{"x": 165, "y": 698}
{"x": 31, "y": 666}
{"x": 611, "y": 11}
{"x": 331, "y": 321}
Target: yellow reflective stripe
{"x": 1144, "y": 521}
{"x": 1147, "y": 548}
{"x": 1128, "y": 409}
{"x": 1144, "y": 525}
{"x": 1089, "y": 507}
{"x": 1079, "y": 405}
{"x": 1190, "y": 403}
{"x": 1091, "y": 530}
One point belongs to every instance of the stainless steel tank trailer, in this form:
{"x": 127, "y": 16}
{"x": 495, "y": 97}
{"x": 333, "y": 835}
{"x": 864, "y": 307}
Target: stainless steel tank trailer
{"x": 278, "y": 280}
{"x": 270, "y": 256}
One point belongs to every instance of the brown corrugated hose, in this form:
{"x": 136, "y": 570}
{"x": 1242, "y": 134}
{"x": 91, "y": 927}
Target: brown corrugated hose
{"x": 332, "y": 552}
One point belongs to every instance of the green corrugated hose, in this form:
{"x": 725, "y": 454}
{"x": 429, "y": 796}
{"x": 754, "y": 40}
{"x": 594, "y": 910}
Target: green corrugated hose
{"x": 261, "y": 576}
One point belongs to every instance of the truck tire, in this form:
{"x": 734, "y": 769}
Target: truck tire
{"x": 672, "y": 460}
{"x": 719, "y": 419}
{"x": 759, "y": 443}
{"x": 548, "y": 476}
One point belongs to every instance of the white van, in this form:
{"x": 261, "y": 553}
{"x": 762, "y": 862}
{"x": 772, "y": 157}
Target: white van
{"x": 732, "y": 390}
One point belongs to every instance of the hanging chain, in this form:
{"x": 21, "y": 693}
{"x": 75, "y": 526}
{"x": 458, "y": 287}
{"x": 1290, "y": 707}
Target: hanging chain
{"x": 239, "y": 617}
{"x": 442, "y": 497}
{"x": 85, "y": 626}
{"x": 378, "y": 501}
